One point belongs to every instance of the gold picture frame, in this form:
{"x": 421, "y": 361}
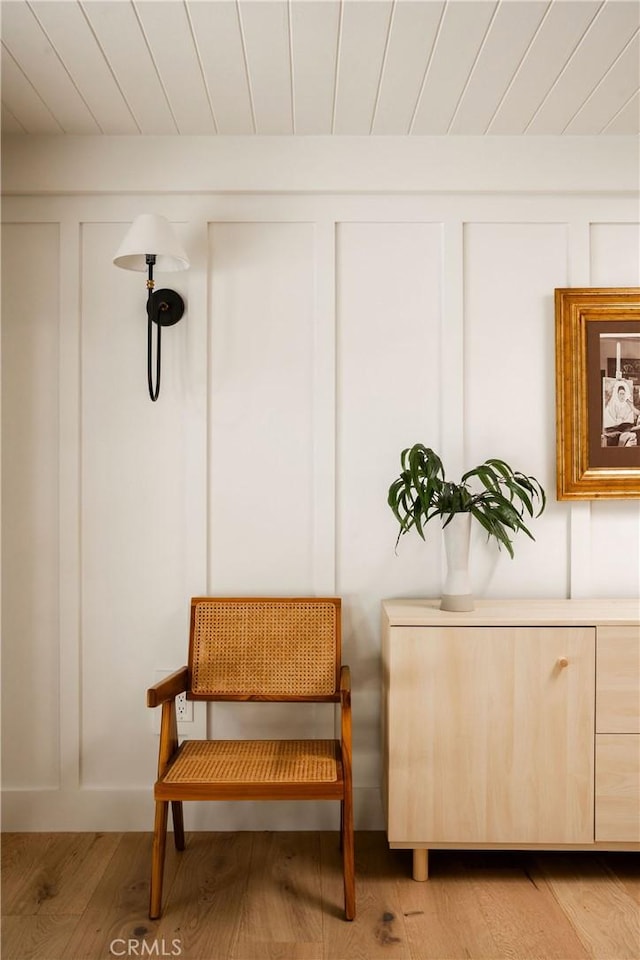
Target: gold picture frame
{"x": 598, "y": 393}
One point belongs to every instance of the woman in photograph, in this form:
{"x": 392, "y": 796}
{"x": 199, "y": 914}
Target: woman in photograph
{"x": 621, "y": 419}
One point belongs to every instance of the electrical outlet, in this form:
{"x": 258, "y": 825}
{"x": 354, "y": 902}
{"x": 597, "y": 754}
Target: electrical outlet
{"x": 191, "y": 716}
{"x": 184, "y": 709}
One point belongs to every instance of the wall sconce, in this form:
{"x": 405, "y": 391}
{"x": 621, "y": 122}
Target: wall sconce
{"x": 151, "y": 242}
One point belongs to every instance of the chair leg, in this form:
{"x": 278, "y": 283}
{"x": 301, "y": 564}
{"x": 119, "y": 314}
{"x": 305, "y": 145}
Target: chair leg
{"x": 157, "y": 858}
{"x": 348, "y": 857}
{"x": 178, "y": 824}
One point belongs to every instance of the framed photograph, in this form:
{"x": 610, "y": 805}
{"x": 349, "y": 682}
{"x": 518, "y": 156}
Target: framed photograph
{"x": 598, "y": 393}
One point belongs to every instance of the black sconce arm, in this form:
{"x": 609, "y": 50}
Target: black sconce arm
{"x": 164, "y": 308}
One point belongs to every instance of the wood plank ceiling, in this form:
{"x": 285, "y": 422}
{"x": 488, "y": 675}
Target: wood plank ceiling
{"x": 359, "y": 67}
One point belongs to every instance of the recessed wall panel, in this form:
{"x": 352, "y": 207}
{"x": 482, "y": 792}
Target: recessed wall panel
{"x": 261, "y": 403}
{"x": 388, "y": 317}
{"x": 30, "y": 491}
{"x": 615, "y": 254}
{"x": 135, "y": 501}
{"x": 510, "y": 273}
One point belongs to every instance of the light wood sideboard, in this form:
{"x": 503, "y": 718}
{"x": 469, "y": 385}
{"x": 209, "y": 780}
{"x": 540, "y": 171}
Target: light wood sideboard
{"x": 516, "y": 725}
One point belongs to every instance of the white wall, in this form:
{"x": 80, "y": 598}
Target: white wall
{"x": 326, "y": 329}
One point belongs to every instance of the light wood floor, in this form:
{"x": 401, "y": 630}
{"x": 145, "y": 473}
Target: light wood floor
{"x": 248, "y": 896}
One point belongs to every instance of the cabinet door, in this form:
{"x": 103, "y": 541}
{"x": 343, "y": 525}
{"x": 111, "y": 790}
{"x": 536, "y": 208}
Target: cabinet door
{"x": 491, "y": 734}
{"x": 618, "y": 680}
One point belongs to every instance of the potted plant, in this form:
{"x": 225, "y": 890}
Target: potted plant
{"x": 495, "y": 494}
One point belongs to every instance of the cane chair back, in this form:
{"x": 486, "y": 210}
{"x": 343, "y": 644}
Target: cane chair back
{"x": 264, "y": 648}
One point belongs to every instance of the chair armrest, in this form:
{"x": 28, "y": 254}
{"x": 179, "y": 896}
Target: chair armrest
{"x": 345, "y": 684}
{"x": 345, "y": 720}
{"x": 168, "y": 688}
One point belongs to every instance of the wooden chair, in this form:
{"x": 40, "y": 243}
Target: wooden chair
{"x": 272, "y": 649}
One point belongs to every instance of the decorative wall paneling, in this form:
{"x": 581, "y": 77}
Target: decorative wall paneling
{"x": 511, "y": 270}
{"x": 30, "y": 502}
{"x": 136, "y": 493}
{"x": 261, "y": 406}
{"x": 323, "y": 333}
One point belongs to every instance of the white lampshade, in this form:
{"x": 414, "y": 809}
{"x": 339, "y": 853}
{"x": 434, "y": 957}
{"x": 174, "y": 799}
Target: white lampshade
{"x": 151, "y": 234}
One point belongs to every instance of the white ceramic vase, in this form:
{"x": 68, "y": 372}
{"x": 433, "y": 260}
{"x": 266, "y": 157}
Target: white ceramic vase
{"x": 456, "y": 593}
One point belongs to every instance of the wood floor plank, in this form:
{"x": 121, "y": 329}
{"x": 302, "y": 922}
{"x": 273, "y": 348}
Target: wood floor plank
{"x": 606, "y": 918}
{"x": 202, "y": 905}
{"x": 38, "y": 937}
{"x": 68, "y": 872}
{"x": 14, "y": 846}
{"x": 281, "y": 917}
{"x": 626, "y": 867}
{"x": 118, "y": 908}
{"x": 271, "y": 950}
{"x": 443, "y": 917}
{"x": 379, "y": 929}
{"x": 523, "y": 916}
{"x": 22, "y": 854}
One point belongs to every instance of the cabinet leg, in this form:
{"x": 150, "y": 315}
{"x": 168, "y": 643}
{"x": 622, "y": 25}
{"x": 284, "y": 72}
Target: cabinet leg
{"x": 420, "y": 864}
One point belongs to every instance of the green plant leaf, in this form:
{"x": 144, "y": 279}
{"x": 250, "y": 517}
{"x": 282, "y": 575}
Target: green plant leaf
{"x": 494, "y": 528}
{"x": 421, "y": 492}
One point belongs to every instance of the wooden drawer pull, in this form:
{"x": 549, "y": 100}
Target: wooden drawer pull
{"x": 563, "y": 662}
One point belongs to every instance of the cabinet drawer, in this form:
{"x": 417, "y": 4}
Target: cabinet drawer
{"x": 617, "y": 787}
{"x": 618, "y": 680}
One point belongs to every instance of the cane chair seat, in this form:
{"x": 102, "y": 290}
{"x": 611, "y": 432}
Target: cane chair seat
{"x": 284, "y": 762}
{"x": 256, "y": 649}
